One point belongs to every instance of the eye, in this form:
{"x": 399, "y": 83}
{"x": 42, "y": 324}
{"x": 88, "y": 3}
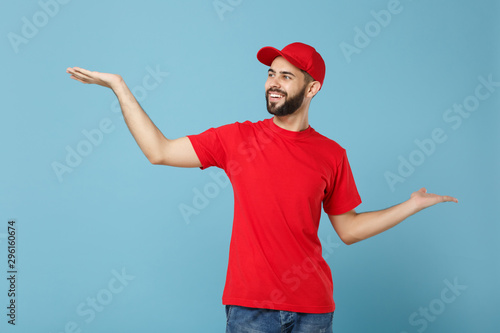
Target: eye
{"x": 287, "y": 77}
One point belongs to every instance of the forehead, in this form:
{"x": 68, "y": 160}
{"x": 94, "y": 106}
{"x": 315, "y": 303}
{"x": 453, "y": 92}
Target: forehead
{"x": 281, "y": 64}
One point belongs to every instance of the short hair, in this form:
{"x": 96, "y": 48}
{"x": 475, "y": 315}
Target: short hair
{"x": 307, "y": 76}
{"x": 308, "y": 79}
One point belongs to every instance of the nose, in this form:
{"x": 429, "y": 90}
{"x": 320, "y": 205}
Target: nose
{"x": 273, "y": 82}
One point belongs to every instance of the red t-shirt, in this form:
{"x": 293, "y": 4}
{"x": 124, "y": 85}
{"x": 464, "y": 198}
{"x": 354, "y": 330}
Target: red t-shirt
{"x": 280, "y": 178}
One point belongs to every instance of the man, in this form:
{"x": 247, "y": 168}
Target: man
{"x": 282, "y": 172}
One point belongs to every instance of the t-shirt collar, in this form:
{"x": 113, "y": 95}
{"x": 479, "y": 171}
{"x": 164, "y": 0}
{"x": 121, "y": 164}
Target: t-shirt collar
{"x": 291, "y": 134}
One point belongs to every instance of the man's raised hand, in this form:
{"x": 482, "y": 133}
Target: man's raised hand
{"x": 422, "y": 199}
{"x": 92, "y": 77}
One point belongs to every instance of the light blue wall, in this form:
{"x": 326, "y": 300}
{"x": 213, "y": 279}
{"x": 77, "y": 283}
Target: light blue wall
{"x": 116, "y": 214}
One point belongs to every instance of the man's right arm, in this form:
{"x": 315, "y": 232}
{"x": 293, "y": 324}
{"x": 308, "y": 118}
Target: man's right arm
{"x": 157, "y": 148}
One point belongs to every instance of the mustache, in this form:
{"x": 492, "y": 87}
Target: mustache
{"x": 277, "y": 91}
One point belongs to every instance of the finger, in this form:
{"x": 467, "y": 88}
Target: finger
{"x": 83, "y": 71}
{"x": 78, "y": 79}
{"x": 447, "y": 198}
{"x": 82, "y": 77}
{"x": 79, "y": 72}
{"x": 73, "y": 69}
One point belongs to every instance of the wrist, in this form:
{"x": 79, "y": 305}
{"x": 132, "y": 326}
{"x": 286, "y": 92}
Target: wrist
{"x": 117, "y": 83}
{"x": 413, "y": 205}
{"x": 119, "y": 87}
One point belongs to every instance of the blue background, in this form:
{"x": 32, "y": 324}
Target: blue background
{"x": 115, "y": 212}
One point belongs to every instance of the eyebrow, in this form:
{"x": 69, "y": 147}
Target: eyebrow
{"x": 282, "y": 72}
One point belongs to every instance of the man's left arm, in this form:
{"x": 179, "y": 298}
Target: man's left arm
{"x": 353, "y": 227}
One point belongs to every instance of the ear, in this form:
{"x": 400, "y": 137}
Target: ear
{"x": 313, "y": 89}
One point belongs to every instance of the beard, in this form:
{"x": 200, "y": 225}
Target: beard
{"x": 290, "y": 105}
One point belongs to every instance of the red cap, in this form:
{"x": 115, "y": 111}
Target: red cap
{"x": 300, "y": 55}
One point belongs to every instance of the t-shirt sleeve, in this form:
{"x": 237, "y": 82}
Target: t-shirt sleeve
{"x": 342, "y": 194}
{"x": 209, "y": 148}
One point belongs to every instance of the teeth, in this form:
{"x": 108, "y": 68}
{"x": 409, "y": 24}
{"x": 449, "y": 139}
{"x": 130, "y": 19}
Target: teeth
{"x": 275, "y": 96}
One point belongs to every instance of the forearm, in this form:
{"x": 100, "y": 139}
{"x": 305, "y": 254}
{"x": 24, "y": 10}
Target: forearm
{"x": 353, "y": 227}
{"x": 368, "y": 224}
{"x": 146, "y": 134}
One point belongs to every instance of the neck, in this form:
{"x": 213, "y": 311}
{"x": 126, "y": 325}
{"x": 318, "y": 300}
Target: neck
{"x": 296, "y": 122}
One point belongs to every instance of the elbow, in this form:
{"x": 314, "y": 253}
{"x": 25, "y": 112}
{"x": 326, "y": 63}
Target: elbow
{"x": 350, "y": 242}
{"x": 155, "y": 160}
{"x": 349, "y": 239}
{"x": 346, "y": 227}
{"x": 158, "y": 154}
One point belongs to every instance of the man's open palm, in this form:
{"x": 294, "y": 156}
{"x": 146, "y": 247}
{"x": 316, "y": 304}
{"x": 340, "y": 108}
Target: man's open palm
{"x": 423, "y": 199}
{"x": 91, "y": 77}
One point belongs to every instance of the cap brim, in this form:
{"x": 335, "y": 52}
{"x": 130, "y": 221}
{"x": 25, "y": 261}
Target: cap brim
{"x": 266, "y": 55}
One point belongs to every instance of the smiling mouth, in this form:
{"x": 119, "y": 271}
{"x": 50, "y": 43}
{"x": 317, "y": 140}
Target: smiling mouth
{"x": 275, "y": 97}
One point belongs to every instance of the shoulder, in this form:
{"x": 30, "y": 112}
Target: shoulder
{"x": 326, "y": 143}
{"x": 243, "y": 126}
{"x": 233, "y": 131}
